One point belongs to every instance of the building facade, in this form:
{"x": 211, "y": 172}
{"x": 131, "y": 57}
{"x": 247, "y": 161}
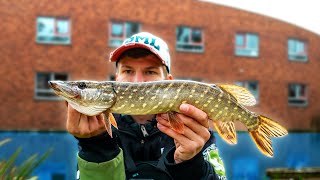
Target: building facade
{"x": 71, "y": 40}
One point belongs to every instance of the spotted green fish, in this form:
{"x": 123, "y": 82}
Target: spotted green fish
{"x": 223, "y": 104}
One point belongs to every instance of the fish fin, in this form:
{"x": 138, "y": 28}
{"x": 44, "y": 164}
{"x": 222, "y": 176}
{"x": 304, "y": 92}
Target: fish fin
{"x": 113, "y": 121}
{"x": 226, "y": 129}
{"x": 261, "y": 135}
{"x": 241, "y": 94}
{"x": 175, "y": 123}
{"x": 107, "y": 123}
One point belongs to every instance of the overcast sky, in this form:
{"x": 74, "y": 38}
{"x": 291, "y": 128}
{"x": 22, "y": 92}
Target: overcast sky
{"x": 303, "y": 13}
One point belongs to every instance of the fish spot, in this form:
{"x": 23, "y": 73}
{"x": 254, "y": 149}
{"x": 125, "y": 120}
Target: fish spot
{"x": 140, "y": 98}
{"x": 205, "y": 105}
{"x": 193, "y": 90}
{"x": 183, "y": 102}
{"x": 121, "y": 97}
{"x": 235, "y": 108}
{"x": 197, "y": 102}
{"x": 132, "y": 105}
{"x": 164, "y": 96}
{"x": 130, "y": 97}
{"x": 220, "y": 95}
{"x": 239, "y": 116}
{"x": 216, "y": 105}
{"x": 201, "y": 95}
{"x": 219, "y": 100}
{"x": 229, "y": 102}
{"x": 170, "y": 105}
{"x": 220, "y": 112}
{"x": 226, "y": 108}
{"x": 242, "y": 112}
{"x": 178, "y": 90}
{"x": 211, "y": 110}
{"x": 190, "y": 96}
{"x": 176, "y": 97}
{"x": 144, "y": 105}
{"x": 153, "y": 97}
{"x": 135, "y": 90}
{"x": 154, "y": 107}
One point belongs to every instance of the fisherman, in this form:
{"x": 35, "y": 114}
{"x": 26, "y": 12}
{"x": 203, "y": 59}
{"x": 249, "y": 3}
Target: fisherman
{"x": 145, "y": 147}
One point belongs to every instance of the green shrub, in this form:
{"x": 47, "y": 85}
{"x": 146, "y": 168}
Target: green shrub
{"x": 9, "y": 171}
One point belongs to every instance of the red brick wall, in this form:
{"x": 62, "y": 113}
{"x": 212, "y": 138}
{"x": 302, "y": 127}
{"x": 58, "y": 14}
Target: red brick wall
{"x": 22, "y": 57}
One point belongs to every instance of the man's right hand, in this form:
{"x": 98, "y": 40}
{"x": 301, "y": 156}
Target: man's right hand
{"x": 83, "y": 126}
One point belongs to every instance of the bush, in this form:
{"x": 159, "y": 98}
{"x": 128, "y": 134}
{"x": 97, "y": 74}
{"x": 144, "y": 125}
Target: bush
{"x": 9, "y": 171}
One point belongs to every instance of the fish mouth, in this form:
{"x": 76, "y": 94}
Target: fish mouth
{"x": 54, "y": 86}
{"x": 62, "y": 89}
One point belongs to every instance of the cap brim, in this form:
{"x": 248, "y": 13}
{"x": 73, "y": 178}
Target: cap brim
{"x": 115, "y": 55}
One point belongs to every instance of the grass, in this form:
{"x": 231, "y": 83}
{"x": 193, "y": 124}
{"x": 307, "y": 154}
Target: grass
{"x": 10, "y": 171}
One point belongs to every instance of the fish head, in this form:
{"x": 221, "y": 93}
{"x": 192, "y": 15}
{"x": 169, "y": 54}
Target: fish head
{"x": 88, "y": 97}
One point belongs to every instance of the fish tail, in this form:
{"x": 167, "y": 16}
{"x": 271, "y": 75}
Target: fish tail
{"x": 261, "y": 135}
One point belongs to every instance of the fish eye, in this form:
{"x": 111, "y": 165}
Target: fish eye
{"x": 82, "y": 85}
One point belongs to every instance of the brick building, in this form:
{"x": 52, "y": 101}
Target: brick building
{"x": 70, "y": 39}
{"x": 208, "y": 42}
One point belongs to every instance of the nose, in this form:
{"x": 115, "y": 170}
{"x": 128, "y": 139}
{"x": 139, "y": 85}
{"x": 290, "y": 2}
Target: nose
{"x": 139, "y": 77}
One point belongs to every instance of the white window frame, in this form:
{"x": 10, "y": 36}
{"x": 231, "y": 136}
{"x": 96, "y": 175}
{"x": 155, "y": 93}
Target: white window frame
{"x": 245, "y": 84}
{"x": 51, "y": 38}
{"x": 197, "y": 47}
{"x": 298, "y": 96}
{"x": 301, "y": 50}
{"x": 245, "y": 49}
{"x": 125, "y": 35}
{"x": 49, "y": 90}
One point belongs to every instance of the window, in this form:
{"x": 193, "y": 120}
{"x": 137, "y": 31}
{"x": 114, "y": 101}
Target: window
{"x": 119, "y": 31}
{"x": 247, "y": 44}
{"x": 43, "y": 90}
{"x": 189, "y": 39}
{"x": 52, "y": 30}
{"x": 297, "y": 50}
{"x": 297, "y": 94}
{"x": 252, "y": 86}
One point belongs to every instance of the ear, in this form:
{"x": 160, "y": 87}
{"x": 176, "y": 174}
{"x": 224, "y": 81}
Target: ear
{"x": 169, "y": 77}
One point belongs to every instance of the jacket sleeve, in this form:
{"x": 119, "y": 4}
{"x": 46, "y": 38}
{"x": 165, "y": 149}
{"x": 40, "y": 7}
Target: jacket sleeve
{"x": 113, "y": 169}
{"x": 199, "y": 167}
{"x": 100, "y": 157}
{"x": 211, "y": 155}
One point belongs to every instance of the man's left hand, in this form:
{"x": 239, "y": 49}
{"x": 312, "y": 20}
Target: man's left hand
{"x": 195, "y": 135}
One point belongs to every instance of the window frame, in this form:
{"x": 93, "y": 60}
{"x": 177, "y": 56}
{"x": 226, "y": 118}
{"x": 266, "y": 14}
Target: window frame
{"x": 245, "y": 46}
{"x": 124, "y": 28}
{"x": 245, "y": 84}
{"x": 296, "y": 56}
{"x": 49, "y": 90}
{"x": 302, "y": 98}
{"x": 190, "y": 42}
{"x": 55, "y": 33}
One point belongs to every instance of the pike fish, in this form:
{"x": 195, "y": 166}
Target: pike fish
{"x": 223, "y": 103}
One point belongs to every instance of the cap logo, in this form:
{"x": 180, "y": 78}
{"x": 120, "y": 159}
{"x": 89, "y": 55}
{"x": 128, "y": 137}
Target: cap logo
{"x": 145, "y": 40}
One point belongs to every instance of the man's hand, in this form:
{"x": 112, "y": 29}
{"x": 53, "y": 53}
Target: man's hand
{"x": 83, "y": 126}
{"x": 196, "y": 132}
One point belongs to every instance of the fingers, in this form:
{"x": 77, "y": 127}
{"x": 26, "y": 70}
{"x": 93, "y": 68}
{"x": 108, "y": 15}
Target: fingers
{"x": 83, "y": 126}
{"x": 193, "y": 131}
{"x": 195, "y": 113}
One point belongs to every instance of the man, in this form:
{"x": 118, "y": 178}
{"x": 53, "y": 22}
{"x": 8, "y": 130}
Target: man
{"x": 145, "y": 147}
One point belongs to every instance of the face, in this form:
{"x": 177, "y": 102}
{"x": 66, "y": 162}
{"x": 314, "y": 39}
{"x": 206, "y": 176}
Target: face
{"x": 142, "y": 69}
